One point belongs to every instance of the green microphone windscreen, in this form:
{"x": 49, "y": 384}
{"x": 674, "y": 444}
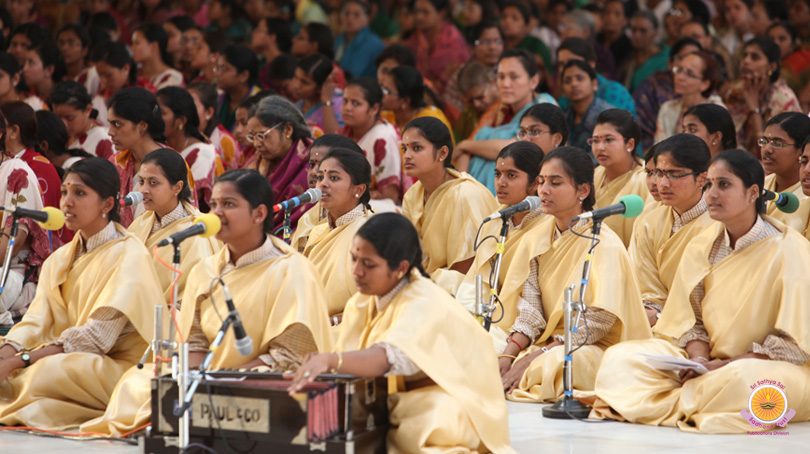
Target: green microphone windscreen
{"x": 791, "y": 203}
{"x": 634, "y": 205}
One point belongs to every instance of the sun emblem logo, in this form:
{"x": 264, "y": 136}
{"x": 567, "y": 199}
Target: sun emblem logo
{"x": 767, "y": 404}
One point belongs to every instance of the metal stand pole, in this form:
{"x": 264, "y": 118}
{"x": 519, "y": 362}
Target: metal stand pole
{"x": 568, "y": 407}
{"x": 485, "y": 311}
{"x": 9, "y": 251}
{"x": 287, "y": 227}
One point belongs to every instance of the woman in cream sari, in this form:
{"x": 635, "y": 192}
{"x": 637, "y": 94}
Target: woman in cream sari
{"x": 516, "y": 175}
{"x": 286, "y": 320}
{"x": 620, "y": 173}
{"x": 344, "y": 178}
{"x": 614, "y": 305}
{"x": 781, "y": 147}
{"x": 89, "y": 321}
{"x": 743, "y": 326}
{"x": 447, "y": 399}
{"x": 163, "y": 180}
{"x": 800, "y": 219}
{"x": 661, "y": 235}
{"x": 446, "y": 206}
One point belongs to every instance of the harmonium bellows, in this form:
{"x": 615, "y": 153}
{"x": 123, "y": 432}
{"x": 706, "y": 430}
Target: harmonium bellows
{"x": 251, "y": 412}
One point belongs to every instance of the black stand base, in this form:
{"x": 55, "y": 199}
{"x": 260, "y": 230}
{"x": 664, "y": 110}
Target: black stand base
{"x": 575, "y": 409}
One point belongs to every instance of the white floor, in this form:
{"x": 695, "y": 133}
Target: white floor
{"x": 531, "y": 433}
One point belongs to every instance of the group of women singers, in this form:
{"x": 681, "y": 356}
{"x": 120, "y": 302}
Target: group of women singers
{"x": 704, "y": 273}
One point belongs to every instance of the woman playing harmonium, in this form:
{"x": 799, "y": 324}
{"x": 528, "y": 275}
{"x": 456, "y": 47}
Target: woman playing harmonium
{"x": 445, "y": 206}
{"x": 447, "y": 398}
{"x": 742, "y": 326}
{"x": 661, "y": 236}
{"x": 620, "y": 173}
{"x": 163, "y": 181}
{"x": 516, "y": 175}
{"x": 531, "y": 363}
{"x": 89, "y": 321}
{"x": 285, "y": 316}
{"x": 344, "y": 178}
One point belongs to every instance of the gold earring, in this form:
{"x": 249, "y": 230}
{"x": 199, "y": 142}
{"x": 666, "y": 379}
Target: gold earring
{"x": 400, "y": 274}
{"x": 104, "y": 215}
{"x": 180, "y": 128}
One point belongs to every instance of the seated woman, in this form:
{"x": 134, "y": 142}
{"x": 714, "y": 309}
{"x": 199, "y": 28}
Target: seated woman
{"x": 358, "y": 46}
{"x": 285, "y": 323}
{"x": 12, "y": 90}
{"x": 800, "y": 219}
{"x": 316, "y": 215}
{"x": 516, "y": 176}
{"x": 88, "y": 322}
{"x": 182, "y": 132}
{"x": 620, "y": 173}
{"x": 445, "y": 205}
{"x": 73, "y": 104}
{"x": 42, "y": 69}
{"x": 344, "y": 178}
{"x": 163, "y": 181}
{"x": 237, "y": 78}
{"x": 314, "y": 88}
{"x": 136, "y": 127}
{"x": 614, "y": 305}
{"x": 759, "y": 93}
{"x": 661, "y": 236}
{"x": 780, "y": 147}
{"x": 579, "y": 84}
{"x": 149, "y": 50}
{"x": 694, "y": 80}
{"x": 281, "y": 137}
{"x": 116, "y": 71}
{"x": 517, "y": 79}
{"x": 713, "y": 124}
{"x": 53, "y": 137}
{"x": 205, "y": 99}
{"x": 403, "y": 99}
{"x": 379, "y": 139}
{"x": 702, "y": 323}
{"x": 387, "y": 330}
{"x": 544, "y": 125}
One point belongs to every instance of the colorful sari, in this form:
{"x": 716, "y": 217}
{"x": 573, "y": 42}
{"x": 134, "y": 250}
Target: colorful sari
{"x": 437, "y": 60}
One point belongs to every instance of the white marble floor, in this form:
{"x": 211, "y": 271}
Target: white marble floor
{"x": 531, "y": 433}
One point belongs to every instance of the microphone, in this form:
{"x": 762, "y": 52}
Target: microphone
{"x": 244, "y": 344}
{"x": 787, "y": 202}
{"x": 530, "y": 203}
{"x": 310, "y": 196}
{"x": 49, "y": 218}
{"x": 133, "y": 198}
{"x": 205, "y": 225}
{"x": 629, "y": 206}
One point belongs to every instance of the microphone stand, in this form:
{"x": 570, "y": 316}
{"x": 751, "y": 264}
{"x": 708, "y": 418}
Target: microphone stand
{"x": 287, "y": 226}
{"x": 9, "y": 250}
{"x": 568, "y": 407}
{"x": 485, "y": 311}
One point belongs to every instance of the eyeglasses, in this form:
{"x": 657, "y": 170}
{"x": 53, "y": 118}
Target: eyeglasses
{"x": 522, "y": 134}
{"x": 776, "y": 143}
{"x": 488, "y": 42}
{"x": 387, "y": 92}
{"x": 259, "y": 136}
{"x": 678, "y": 70}
{"x": 670, "y": 174}
{"x": 596, "y": 141}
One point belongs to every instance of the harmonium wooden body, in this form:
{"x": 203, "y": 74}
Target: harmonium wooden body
{"x": 251, "y": 412}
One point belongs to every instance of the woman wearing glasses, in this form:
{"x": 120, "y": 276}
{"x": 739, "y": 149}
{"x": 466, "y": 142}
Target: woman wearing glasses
{"x": 661, "y": 235}
{"x": 800, "y": 220}
{"x": 532, "y": 361}
{"x": 544, "y": 125}
{"x": 780, "y": 146}
{"x": 282, "y": 139}
{"x": 620, "y": 173}
{"x": 736, "y": 323}
{"x": 694, "y": 79}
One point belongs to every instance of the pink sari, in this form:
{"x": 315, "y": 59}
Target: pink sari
{"x": 438, "y": 60}
{"x": 288, "y": 178}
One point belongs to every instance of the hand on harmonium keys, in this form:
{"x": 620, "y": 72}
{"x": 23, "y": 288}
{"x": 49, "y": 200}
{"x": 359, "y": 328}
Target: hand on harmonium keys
{"x": 315, "y": 364}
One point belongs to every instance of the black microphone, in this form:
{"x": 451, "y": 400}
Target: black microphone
{"x": 629, "y": 206}
{"x": 133, "y": 198}
{"x": 310, "y": 196}
{"x": 786, "y": 202}
{"x": 244, "y": 344}
{"x": 530, "y": 203}
{"x": 49, "y": 218}
{"x": 206, "y": 225}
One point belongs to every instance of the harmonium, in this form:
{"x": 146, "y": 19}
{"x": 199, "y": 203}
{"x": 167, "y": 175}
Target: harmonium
{"x": 251, "y": 412}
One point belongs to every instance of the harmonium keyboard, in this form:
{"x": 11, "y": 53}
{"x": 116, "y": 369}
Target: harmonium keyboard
{"x": 251, "y": 412}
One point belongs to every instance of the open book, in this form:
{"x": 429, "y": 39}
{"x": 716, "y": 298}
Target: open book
{"x": 670, "y": 362}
